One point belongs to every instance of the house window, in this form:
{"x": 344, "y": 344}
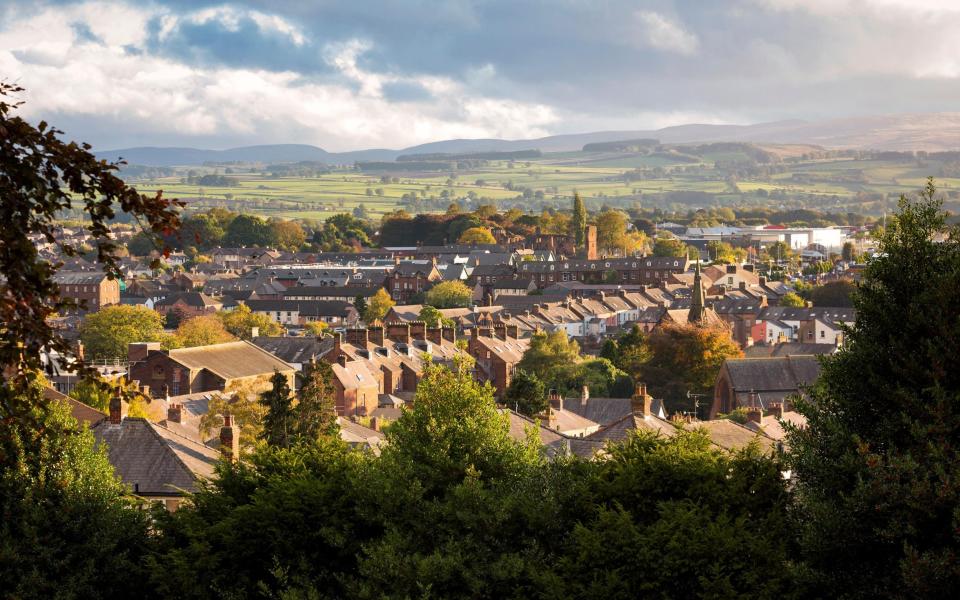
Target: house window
{"x": 823, "y": 333}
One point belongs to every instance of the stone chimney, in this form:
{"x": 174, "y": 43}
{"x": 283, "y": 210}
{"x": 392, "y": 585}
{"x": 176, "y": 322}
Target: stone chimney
{"x": 254, "y": 332}
{"x": 116, "y": 408}
{"x": 500, "y": 330}
{"x": 342, "y": 360}
{"x": 763, "y": 281}
{"x": 375, "y": 423}
{"x": 229, "y": 439}
{"x": 641, "y": 402}
{"x": 78, "y": 351}
{"x": 584, "y": 394}
{"x": 434, "y": 335}
{"x": 754, "y": 414}
{"x": 375, "y": 335}
{"x": 175, "y": 412}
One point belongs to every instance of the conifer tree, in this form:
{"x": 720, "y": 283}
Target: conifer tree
{"x": 316, "y": 413}
{"x": 579, "y": 222}
{"x": 278, "y": 424}
{"x": 878, "y": 465}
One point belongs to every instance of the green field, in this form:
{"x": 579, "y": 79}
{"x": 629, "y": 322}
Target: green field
{"x": 721, "y": 178}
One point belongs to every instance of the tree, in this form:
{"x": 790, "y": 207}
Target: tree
{"x": 837, "y": 293}
{"x": 279, "y": 422}
{"x": 242, "y": 401}
{"x": 41, "y": 177}
{"x": 686, "y": 358}
{"x": 526, "y": 394}
{"x": 316, "y": 328}
{"x": 552, "y": 358}
{"x": 612, "y": 235}
{"x": 142, "y": 244}
{"x": 434, "y": 318}
{"x": 849, "y": 252}
{"x": 603, "y": 379}
{"x": 360, "y": 303}
{"x": 248, "y": 230}
{"x": 721, "y": 252}
{"x": 107, "y": 333}
{"x": 629, "y": 352}
{"x": 201, "y": 230}
{"x": 241, "y": 321}
{"x": 780, "y": 252}
{"x": 378, "y": 307}
{"x": 792, "y": 300}
{"x": 449, "y": 294}
{"x": 202, "y": 330}
{"x": 879, "y": 459}
{"x": 315, "y": 415}
{"x": 668, "y": 246}
{"x": 287, "y": 235}
{"x": 97, "y": 392}
{"x": 578, "y": 224}
{"x": 477, "y": 235}
{"x": 67, "y": 519}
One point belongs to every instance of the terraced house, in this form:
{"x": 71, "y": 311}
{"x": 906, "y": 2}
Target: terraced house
{"x": 648, "y": 270}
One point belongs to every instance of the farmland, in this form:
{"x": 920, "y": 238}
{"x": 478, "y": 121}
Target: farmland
{"x": 672, "y": 178}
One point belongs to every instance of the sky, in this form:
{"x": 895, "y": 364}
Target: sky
{"x": 354, "y": 74}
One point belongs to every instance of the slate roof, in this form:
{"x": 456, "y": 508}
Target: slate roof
{"x": 78, "y": 277}
{"x": 153, "y": 460}
{"x": 606, "y": 410}
{"x": 729, "y": 435}
{"x": 824, "y": 313}
{"x": 620, "y": 429}
{"x": 232, "y": 360}
{"x": 788, "y": 349}
{"x": 313, "y": 308}
{"x": 194, "y": 299}
{"x": 782, "y": 374}
{"x": 78, "y": 410}
{"x": 295, "y": 349}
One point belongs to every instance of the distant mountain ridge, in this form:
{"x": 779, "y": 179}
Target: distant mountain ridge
{"x": 927, "y": 131}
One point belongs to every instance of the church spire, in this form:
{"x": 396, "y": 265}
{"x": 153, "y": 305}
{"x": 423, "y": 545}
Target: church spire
{"x": 697, "y": 313}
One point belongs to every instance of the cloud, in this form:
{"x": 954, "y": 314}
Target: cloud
{"x": 664, "y": 34}
{"x": 347, "y": 75}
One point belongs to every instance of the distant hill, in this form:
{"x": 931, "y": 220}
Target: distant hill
{"x": 929, "y": 131}
{"x": 270, "y": 154}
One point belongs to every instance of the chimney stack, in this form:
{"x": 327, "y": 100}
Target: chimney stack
{"x": 175, "y": 413}
{"x": 342, "y": 360}
{"x": 375, "y": 334}
{"x": 254, "y": 332}
{"x": 555, "y": 400}
{"x": 641, "y": 402}
{"x": 116, "y": 408}
{"x": 229, "y": 439}
{"x": 584, "y": 394}
{"x": 776, "y": 409}
{"x": 337, "y": 340}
